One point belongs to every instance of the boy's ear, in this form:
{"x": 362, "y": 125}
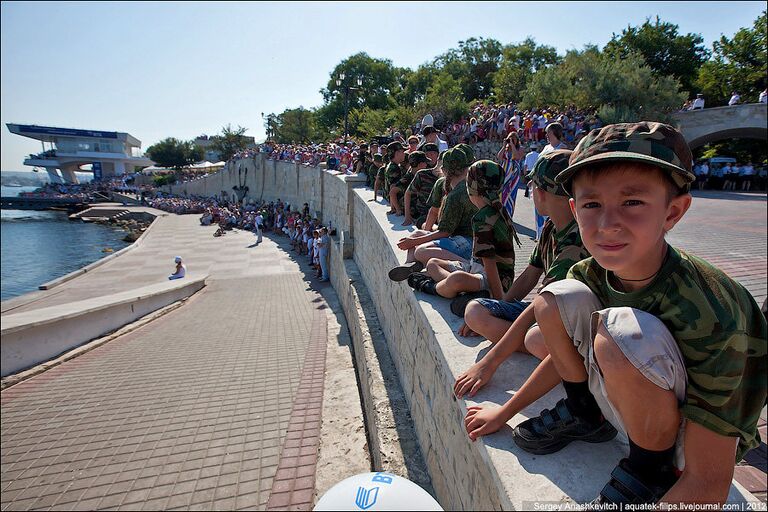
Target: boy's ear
{"x": 676, "y": 209}
{"x": 572, "y": 204}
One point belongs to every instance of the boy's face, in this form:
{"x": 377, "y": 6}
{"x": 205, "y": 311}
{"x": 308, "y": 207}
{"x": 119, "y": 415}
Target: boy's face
{"x": 623, "y": 216}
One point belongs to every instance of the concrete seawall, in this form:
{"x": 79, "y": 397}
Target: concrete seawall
{"x": 419, "y": 334}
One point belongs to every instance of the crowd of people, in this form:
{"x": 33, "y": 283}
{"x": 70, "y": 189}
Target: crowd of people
{"x": 606, "y": 320}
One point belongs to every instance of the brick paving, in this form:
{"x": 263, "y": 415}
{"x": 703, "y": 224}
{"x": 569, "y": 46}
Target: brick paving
{"x": 198, "y": 410}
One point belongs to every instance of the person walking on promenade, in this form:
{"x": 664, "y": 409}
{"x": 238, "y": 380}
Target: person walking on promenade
{"x": 259, "y": 227}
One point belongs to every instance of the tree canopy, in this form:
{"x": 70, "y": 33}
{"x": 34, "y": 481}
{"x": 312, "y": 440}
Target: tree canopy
{"x": 738, "y": 64}
{"x": 666, "y": 52}
{"x": 230, "y": 141}
{"x": 643, "y": 73}
{"x": 175, "y": 154}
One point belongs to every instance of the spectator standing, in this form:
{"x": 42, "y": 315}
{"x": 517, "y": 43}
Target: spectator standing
{"x": 323, "y": 245}
{"x": 763, "y": 96}
{"x": 735, "y": 99}
{"x": 259, "y": 225}
{"x": 698, "y": 103}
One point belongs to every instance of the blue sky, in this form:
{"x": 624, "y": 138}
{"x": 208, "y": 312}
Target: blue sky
{"x": 156, "y": 70}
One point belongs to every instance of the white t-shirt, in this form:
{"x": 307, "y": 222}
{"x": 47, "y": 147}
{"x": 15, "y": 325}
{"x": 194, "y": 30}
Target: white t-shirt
{"x": 259, "y": 220}
{"x": 698, "y": 103}
{"x": 442, "y": 145}
{"x": 734, "y": 100}
{"x": 530, "y": 160}
{"x": 763, "y": 97}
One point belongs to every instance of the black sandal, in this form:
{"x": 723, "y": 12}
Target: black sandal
{"x": 460, "y": 303}
{"x": 625, "y": 487}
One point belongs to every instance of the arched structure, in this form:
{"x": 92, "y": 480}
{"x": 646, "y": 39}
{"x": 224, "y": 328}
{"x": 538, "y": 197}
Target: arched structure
{"x": 713, "y": 124}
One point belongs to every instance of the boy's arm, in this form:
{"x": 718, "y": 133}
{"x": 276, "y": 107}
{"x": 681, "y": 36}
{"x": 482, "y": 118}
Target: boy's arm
{"x": 431, "y": 218}
{"x": 524, "y": 283}
{"x": 407, "y": 243}
{"x": 480, "y": 422}
{"x": 481, "y": 372}
{"x": 708, "y": 472}
{"x": 492, "y": 276}
{"x": 407, "y": 207}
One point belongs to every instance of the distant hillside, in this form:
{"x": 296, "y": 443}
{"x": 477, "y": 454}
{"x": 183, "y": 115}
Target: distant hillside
{"x": 33, "y": 179}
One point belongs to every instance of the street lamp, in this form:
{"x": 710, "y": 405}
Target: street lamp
{"x": 347, "y": 88}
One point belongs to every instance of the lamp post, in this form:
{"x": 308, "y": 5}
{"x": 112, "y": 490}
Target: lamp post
{"x": 347, "y": 88}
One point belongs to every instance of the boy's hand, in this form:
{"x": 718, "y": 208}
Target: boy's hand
{"x": 473, "y": 379}
{"x": 464, "y": 330}
{"x": 481, "y": 422}
{"x": 407, "y": 221}
{"x": 406, "y": 243}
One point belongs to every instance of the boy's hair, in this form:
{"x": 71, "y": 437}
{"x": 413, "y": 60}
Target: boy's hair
{"x": 600, "y": 169}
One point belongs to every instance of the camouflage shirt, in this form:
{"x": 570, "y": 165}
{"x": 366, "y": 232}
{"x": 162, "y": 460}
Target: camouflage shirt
{"x": 392, "y": 175}
{"x": 457, "y": 212}
{"x": 721, "y": 334}
{"x": 421, "y": 189}
{"x": 436, "y": 196}
{"x": 558, "y": 251}
{"x": 492, "y": 238}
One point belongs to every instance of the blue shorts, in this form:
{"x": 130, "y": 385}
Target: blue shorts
{"x": 461, "y": 246}
{"x": 502, "y": 309}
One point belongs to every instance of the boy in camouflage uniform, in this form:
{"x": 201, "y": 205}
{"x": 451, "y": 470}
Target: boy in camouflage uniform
{"x": 491, "y": 268}
{"x": 509, "y": 323}
{"x": 373, "y": 169}
{"x": 417, "y": 161}
{"x": 393, "y": 172}
{"x": 421, "y": 186}
{"x": 645, "y": 337}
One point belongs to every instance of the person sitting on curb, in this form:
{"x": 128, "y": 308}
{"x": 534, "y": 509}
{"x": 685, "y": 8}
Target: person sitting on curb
{"x": 452, "y": 238}
{"x": 417, "y": 161}
{"x": 509, "y": 323}
{"x": 420, "y": 189}
{"x": 493, "y": 246}
{"x": 647, "y": 338}
{"x": 393, "y": 172}
{"x": 180, "y": 271}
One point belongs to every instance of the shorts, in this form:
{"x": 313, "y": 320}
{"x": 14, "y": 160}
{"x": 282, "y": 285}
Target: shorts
{"x": 471, "y": 267}
{"x": 502, "y": 309}
{"x": 643, "y": 339}
{"x": 461, "y": 246}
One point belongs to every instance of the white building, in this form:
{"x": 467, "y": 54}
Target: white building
{"x": 108, "y": 153}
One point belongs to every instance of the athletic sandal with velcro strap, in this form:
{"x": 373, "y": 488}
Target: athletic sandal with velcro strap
{"x": 401, "y": 272}
{"x": 460, "y": 303}
{"x": 627, "y": 488}
{"x": 554, "y": 429}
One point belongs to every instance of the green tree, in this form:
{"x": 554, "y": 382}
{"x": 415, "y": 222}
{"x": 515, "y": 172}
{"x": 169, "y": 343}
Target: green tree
{"x": 379, "y": 80}
{"x": 473, "y": 65}
{"x": 738, "y": 64}
{"x": 666, "y": 52}
{"x": 444, "y": 99}
{"x": 621, "y": 89}
{"x": 230, "y": 141}
{"x": 175, "y": 154}
{"x": 519, "y": 63}
{"x": 294, "y": 125}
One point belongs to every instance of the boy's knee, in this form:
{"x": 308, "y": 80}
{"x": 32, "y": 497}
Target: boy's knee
{"x": 476, "y": 314}
{"x": 545, "y": 308}
{"x": 607, "y": 353}
{"x": 432, "y": 264}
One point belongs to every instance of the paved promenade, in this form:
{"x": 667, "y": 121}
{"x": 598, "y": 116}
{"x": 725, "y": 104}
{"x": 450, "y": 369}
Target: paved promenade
{"x": 217, "y": 404}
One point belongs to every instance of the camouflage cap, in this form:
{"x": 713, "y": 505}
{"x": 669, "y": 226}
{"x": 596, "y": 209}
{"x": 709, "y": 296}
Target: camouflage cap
{"x": 656, "y": 144}
{"x": 394, "y": 147}
{"x": 377, "y": 157}
{"x": 467, "y": 150}
{"x": 417, "y": 157}
{"x": 547, "y": 167}
{"x": 456, "y": 159}
{"x": 430, "y": 146}
{"x": 485, "y": 179}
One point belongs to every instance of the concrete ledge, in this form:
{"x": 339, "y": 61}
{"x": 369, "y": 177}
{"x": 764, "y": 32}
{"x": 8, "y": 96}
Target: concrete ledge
{"x": 32, "y": 337}
{"x": 393, "y": 444}
{"x": 68, "y": 277}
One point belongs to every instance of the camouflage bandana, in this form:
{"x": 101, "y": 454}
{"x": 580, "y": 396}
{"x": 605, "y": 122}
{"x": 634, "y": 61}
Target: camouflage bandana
{"x": 547, "y": 167}
{"x": 484, "y": 180}
{"x": 456, "y": 158}
{"x": 656, "y": 144}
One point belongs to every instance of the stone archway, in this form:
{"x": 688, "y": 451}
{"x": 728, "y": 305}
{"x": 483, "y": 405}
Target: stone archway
{"x": 720, "y": 123}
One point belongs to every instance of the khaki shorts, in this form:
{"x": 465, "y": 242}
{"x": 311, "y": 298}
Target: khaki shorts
{"x": 472, "y": 267}
{"x": 643, "y": 338}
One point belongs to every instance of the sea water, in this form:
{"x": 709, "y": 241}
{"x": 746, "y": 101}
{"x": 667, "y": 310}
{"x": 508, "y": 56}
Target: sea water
{"x": 38, "y": 246}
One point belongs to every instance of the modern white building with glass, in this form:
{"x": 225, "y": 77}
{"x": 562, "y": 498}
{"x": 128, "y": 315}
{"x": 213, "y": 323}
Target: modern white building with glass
{"x": 68, "y": 150}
